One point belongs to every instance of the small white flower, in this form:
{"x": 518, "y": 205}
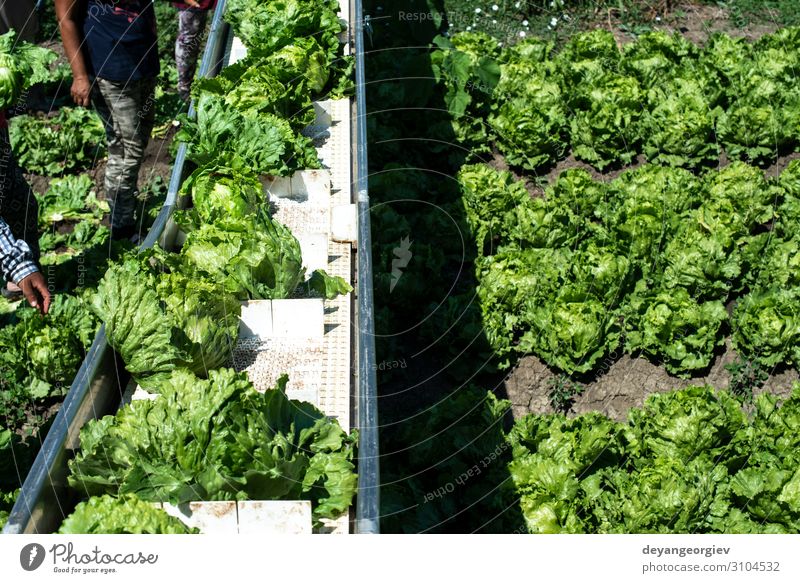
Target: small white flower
{"x": 469, "y": 28}
{"x": 494, "y": 21}
{"x": 658, "y": 19}
{"x": 524, "y": 23}
{"x": 495, "y": 7}
{"x": 553, "y": 22}
{"x": 565, "y": 17}
{"x": 477, "y": 11}
{"x": 522, "y": 33}
{"x": 517, "y": 5}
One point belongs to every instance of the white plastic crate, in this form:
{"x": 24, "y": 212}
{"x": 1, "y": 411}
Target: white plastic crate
{"x": 314, "y": 247}
{"x": 319, "y": 130}
{"x": 339, "y": 526}
{"x": 307, "y": 186}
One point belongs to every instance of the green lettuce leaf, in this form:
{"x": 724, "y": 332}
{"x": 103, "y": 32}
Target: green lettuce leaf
{"x": 218, "y": 439}
{"x": 158, "y": 322}
{"x": 253, "y": 258}
{"x": 766, "y": 326}
{"x": 675, "y": 328}
{"x": 124, "y": 515}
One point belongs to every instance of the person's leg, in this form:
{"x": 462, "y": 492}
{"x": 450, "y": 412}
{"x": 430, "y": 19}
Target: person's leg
{"x": 131, "y": 110}
{"x": 24, "y": 215}
{"x": 116, "y": 151}
{"x": 18, "y": 205}
{"x": 20, "y": 210}
{"x": 191, "y": 24}
{"x": 21, "y": 16}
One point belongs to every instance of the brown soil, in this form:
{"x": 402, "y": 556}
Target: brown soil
{"x": 623, "y": 383}
{"x": 696, "y": 22}
{"x": 65, "y": 228}
{"x": 38, "y": 183}
{"x": 536, "y": 185}
{"x": 157, "y": 159}
{"x": 775, "y": 170}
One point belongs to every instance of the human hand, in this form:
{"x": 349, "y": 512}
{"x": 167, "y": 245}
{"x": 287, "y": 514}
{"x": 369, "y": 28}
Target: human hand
{"x": 80, "y": 91}
{"x": 34, "y": 288}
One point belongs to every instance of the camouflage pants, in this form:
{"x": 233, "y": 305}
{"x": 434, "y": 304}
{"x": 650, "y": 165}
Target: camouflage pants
{"x": 18, "y": 205}
{"x": 127, "y": 109}
{"x": 191, "y": 24}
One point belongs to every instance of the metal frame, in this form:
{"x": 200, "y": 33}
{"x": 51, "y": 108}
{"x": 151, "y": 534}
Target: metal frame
{"x": 368, "y": 501}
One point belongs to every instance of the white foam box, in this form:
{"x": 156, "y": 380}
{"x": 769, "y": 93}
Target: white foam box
{"x": 245, "y": 517}
{"x": 276, "y": 187}
{"x": 344, "y": 223}
{"x": 313, "y": 186}
{"x": 314, "y": 247}
{"x": 208, "y": 517}
{"x": 320, "y": 128}
{"x": 307, "y": 186}
{"x": 305, "y": 395}
{"x": 238, "y": 51}
{"x": 302, "y": 318}
{"x": 265, "y": 319}
{"x": 323, "y": 113}
{"x": 275, "y": 517}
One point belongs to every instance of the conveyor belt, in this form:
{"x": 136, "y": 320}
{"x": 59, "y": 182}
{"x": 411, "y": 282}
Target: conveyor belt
{"x": 323, "y": 366}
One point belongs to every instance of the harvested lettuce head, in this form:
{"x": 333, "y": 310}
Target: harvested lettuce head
{"x": 161, "y": 321}
{"x": 123, "y": 515}
{"x": 218, "y": 439}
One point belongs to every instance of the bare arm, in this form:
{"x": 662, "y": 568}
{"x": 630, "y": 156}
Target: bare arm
{"x": 67, "y": 12}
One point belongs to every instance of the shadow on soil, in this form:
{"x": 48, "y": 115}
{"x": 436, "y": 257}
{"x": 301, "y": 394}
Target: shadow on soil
{"x": 443, "y": 452}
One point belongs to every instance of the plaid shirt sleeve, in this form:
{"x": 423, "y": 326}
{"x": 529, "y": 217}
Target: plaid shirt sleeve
{"x": 16, "y": 259}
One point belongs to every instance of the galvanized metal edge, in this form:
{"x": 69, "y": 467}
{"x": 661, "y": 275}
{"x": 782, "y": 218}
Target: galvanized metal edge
{"x": 368, "y": 501}
{"x": 38, "y": 508}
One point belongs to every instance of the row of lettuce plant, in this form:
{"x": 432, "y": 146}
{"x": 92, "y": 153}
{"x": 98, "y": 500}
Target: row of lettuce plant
{"x": 660, "y": 261}
{"x": 661, "y": 96}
